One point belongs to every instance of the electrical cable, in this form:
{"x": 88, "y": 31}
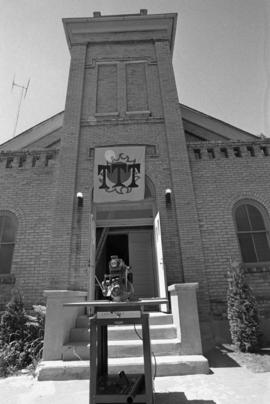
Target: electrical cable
{"x": 152, "y": 353}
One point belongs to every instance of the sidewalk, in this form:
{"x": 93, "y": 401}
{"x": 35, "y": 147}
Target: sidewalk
{"x": 228, "y": 383}
{"x": 224, "y": 386}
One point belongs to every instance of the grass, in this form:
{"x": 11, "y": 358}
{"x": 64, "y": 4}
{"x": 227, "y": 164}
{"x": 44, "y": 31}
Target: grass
{"x": 256, "y": 362}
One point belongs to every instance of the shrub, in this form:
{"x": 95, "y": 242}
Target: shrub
{"x": 21, "y": 336}
{"x": 242, "y": 311}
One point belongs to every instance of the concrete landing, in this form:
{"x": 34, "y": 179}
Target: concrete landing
{"x": 162, "y": 366}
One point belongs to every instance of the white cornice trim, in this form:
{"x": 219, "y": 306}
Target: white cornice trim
{"x": 120, "y": 28}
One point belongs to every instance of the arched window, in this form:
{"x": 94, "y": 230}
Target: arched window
{"x": 8, "y": 228}
{"x": 253, "y": 232}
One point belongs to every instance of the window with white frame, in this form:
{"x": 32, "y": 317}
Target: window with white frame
{"x": 8, "y": 229}
{"x": 252, "y": 227}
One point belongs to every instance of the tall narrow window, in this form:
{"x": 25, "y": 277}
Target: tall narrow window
{"x": 136, "y": 90}
{"x": 8, "y": 228}
{"x": 252, "y": 232}
{"x": 106, "y": 88}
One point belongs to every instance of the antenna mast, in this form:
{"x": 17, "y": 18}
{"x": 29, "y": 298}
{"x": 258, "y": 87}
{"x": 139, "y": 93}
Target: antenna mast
{"x": 23, "y": 92}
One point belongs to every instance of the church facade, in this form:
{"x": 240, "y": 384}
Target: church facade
{"x": 126, "y": 170}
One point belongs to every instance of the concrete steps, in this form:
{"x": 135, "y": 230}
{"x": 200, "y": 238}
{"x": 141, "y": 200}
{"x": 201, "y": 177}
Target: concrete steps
{"x": 124, "y": 340}
{"x": 125, "y": 351}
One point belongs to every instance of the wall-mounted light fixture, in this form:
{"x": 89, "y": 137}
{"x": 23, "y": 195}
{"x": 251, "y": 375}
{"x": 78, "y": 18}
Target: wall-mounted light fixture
{"x": 168, "y": 196}
{"x": 80, "y": 199}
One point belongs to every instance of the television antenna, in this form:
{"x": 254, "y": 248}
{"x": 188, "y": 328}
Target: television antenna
{"x": 23, "y": 92}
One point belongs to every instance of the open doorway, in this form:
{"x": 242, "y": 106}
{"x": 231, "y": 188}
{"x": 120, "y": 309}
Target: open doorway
{"x": 135, "y": 247}
{"x": 117, "y": 244}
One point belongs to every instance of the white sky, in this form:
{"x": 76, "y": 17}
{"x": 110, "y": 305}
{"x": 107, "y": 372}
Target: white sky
{"x": 221, "y": 57}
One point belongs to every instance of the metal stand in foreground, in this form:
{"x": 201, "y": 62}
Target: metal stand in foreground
{"x": 121, "y": 388}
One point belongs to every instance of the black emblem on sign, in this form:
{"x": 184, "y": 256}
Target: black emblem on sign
{"x": 121, "y": 171}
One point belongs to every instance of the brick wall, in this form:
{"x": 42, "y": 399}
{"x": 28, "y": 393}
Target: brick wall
{"x": 65, "y": 198}
{"x": 224, "y": 173}
{"x": 142, "y": 127}
{"x": 186, "y": 214}
{"x": 156, "y": 169}
{"x": 27, "y": 182}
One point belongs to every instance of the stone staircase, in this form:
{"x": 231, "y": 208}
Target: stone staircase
{"x": 125, "y": 351}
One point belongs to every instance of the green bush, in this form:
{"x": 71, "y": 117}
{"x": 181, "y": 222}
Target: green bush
{"x": 21, "y": 336}
{"x": 242, "y": 311}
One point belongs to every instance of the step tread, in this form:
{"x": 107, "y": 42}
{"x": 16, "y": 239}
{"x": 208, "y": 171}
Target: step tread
{"x": 126, "y": 342}
{"x": 139, "y": 342}
{"x": 153, "y": 316}
{"x": 135, "y": 360}
{"x": 160, "y": 359}
{"x": 131, "y": 327}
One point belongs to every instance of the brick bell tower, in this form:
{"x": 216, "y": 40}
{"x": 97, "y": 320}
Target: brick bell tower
{"x": 122, "y": 91}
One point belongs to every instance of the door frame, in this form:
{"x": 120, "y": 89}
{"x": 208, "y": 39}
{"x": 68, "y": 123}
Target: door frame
{"x": 123, "y": 225}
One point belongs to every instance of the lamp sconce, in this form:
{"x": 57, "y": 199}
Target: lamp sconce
{"x": 168, "y": 196}
{"x": 80, "y": 199}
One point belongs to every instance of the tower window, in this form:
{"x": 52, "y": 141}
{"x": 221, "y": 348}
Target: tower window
{"x": 136, "y": 87}
{"x": 106, "y": 101}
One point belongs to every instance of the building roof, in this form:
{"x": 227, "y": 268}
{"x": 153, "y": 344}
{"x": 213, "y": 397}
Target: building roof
{"x": 206, "y": 127}
{"x": 40, "y": 135}
{"x": 197, "y": 125}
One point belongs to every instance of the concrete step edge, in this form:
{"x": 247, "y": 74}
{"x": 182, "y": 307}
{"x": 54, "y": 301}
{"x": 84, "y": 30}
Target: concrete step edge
{"x": 165, "y": 366}
{"x": 153, "y": 318}
{"x": 132, "y": 342}
{"x": 131, "y": 327}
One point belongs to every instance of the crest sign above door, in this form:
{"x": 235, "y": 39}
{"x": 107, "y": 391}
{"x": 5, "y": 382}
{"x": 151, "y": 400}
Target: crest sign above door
{"x": 119, "y": 174}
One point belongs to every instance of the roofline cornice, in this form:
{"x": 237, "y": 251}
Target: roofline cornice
{"x": 121, "y": 28}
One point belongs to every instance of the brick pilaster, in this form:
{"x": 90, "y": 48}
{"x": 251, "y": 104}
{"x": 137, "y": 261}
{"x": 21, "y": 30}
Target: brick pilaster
{"x": 65, "y": 194}
{"x": 183, "y": 193}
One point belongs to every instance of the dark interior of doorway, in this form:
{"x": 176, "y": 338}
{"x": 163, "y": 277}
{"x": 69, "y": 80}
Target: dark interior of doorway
{"x": 117, "y": 244}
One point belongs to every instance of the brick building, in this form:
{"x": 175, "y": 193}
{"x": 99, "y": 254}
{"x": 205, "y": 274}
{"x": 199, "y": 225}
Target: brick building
{"x": 205, "y": 183}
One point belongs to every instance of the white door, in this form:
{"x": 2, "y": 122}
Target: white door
{"x": 92, "y": 259}
{"x": 161, "y": 275}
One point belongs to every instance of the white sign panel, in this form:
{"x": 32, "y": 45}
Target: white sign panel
{"x": 119, "y": 174}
